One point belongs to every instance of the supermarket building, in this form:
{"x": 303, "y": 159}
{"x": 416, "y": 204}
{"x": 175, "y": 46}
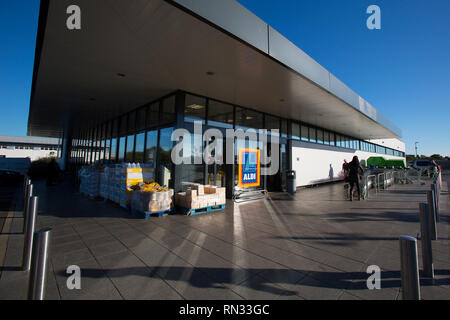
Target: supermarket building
{"x": 115, "y": 90}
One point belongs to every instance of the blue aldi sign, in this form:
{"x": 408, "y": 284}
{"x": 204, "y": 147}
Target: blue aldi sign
{"x": 249, "y": 168}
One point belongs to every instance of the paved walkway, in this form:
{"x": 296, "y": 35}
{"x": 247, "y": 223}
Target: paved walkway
{"x": 314, "y": 245}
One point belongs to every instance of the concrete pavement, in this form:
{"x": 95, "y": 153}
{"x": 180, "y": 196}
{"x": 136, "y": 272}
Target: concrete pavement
{"x": 314, "y": 245}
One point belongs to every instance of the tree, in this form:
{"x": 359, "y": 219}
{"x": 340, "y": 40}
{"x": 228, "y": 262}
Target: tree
{"x": 436, "y": 157}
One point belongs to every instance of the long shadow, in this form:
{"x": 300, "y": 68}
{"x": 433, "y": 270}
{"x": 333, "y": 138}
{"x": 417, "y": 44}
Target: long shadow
{"x": 363, "y": 217}
{"x": 343, "y": 238}
{"x": 407, "y": 192}
{"x": 217, "y": 277}
{"x": 9, "y": 268}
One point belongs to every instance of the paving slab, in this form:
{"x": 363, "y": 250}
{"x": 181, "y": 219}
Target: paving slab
{"x": 313, "y": 245}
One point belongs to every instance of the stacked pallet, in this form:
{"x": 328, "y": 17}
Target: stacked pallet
{"x": 89, "y": 182}
{"x": 151, "y": 202}
{"x": 201, "y": 196}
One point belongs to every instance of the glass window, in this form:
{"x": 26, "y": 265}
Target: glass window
{"x": 103, "y": 142}
{"x": 122, "y": 142}
{"x": 319, "y": 136}
{"x": 195, "y": 109}
{"x": 113, "y": 156}
{"x": 272, "y": 123}
{"x": 108, "y": 141}
{"x": 131, "y": 122}
{"x": 123, "y": 125}
{"x": 168, "y": 111}
{"x": 108, "y": 149}
{"x": 140, "y": 119}
{"x": 165, "y": 161}
{"x": 246, "y": 118}
{"x": 130, "y": 149}
{"x": 312, "y": 134}
{"x": 152, "y": 116}
{"x": 304, "y": 133}
{"x": 341, "y": 141}
{"x": 326, "y": 137}
{"x": 139, "y": 153}
{"x": 284, "y": 128}
{"x": 193, "y": 173}
{"x": 150, "y": 149}
{"x": 295, "y": 131}
{"x": 332, "y": 139}
{"x": 115, "y": 128}
{"x": 220, "y": 114}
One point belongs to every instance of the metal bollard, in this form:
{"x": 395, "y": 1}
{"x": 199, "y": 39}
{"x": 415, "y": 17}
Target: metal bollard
{"x": 432, "y": 214}
{"x": 28, "y": 241}
{"x": 26, "y": 182}
{"x": 26, "y": 203}
{"x": 38, "y": 275}
{"x": 409, "y": 268}
{"x": 436, "y": 200}
{"x": 427, "y": 249}
{"x": 438, "y": 192}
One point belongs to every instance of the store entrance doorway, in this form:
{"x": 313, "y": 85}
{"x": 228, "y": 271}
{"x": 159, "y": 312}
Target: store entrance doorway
{"x": 215, "y": 172}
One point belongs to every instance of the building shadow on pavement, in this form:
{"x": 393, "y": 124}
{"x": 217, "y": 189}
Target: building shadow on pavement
{"x": 272, "y": 279}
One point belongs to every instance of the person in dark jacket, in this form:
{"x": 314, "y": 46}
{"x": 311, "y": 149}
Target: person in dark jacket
{"x": 354, "y": 172}
{"x": 53, "y": 172}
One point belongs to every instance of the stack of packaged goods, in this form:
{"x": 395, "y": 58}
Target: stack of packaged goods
{"x": 90, "y": 182}
{"x": 111, "y": 171}
{"x": 128, "y": 178}
{"x": 151, "y": 198}
{"x": 104, "y": 184}
{"x": 201, "y": 196}
{"x": 83, "y": 175}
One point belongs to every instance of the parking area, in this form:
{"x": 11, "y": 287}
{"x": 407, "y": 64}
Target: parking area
{"x": 313, "y": 245}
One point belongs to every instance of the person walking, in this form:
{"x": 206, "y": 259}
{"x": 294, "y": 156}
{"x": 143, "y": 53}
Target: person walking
{"x": 345, "y": 169}
{"x": 53, "y": 172}
{"x": 354, "y": 172}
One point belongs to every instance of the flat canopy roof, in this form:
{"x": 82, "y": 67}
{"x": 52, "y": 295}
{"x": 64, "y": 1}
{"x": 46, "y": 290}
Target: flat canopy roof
{"x": 28, "y": 140}
{"x": 129, "y": 53}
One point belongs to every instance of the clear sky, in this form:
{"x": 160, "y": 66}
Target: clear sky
{"x": 403, "y": 70}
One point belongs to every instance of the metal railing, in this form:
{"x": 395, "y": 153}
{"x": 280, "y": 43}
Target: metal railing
{"x": 379, "y": 184}
{"x": 373, "y": 179}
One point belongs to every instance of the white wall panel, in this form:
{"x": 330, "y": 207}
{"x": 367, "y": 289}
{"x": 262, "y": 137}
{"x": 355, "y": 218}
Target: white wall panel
{"x": 320, "y": 163}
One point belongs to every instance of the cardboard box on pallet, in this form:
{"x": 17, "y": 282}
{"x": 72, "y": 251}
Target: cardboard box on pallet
{"x": 199, "y": 196}
{"x": 219, "y": 191}
{"x": 199, "y": 188}
{"x": 151, "y": 201}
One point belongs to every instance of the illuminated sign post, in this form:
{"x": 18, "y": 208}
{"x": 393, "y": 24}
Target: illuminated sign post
{"x": 249, "y": 168}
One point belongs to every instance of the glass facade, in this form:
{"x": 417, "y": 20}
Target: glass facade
{"x": 322, "y": 136}
{"x": 144, "y": 135}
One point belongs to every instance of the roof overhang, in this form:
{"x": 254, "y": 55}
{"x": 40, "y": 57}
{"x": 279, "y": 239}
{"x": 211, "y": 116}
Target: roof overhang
{"x": 162, "y": 46}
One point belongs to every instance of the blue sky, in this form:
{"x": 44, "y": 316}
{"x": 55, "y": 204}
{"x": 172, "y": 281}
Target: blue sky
{"x": 402, "y": 70}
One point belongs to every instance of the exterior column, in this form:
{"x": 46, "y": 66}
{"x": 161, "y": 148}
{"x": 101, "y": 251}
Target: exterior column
{"x": 179, "y": 111}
